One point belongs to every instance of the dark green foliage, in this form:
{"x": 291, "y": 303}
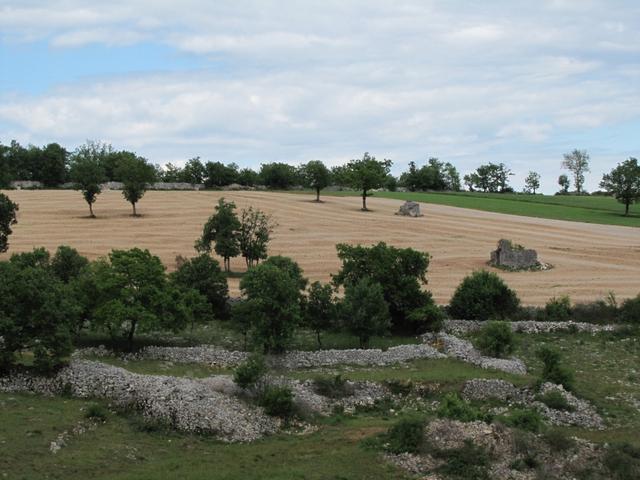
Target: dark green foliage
{"x": 218, "y": 174}
{"x": 524, "y": 419}
{"x": 400, "y": 271}
{"x": 290, "y": 267}
{"x": 278, "y": 176}
{"x": 483, "y": 296}
{"x": 454, "y": 407}
{"x": 34, "y": 315}
{"x": 254, "y": 235}
{"x": 558, "y": 441}
{"x": 248, "y": 177}
{"x": 194, "y": 172}
{"x": 467, "y": 462}
{"x": 332, "y": 387}
{"x": 435, "y": 175}
{"x": 277, "y": 401}
{"x": 315, "y": 175}
{"x": 496, "y": 339}
{"x": 558, "y": 309}
{"x": 623, "y": 182}
{"x": 251, "y": 372}
{"x": 552, "y": 370}
{"x": 37, "y": 258}
{"x": 364, "y": 310}
{"x": 630, "y": 310}
{"x": 275, "y": 296}
{"x": 320, "y": 312}
{"x": 429, "y": 318}
{"x": 242, "y": 314}
{"x": 405, "y": 436}
{"x": 87, "y": 170}
{"x": 623, "y": 461}
{"x": 204, "y": 275}
{"x": 221, "y": 230}
{"x": 601, "y": 311}
{"x": 67, "y": 264}
{"x": 8, "y": 211}
{"x": 96, "y": 412}
{"x": 365, "y": 175}
{"x": 136, "y": 174}
{"x": 490, "y": 178}
{"x": 554, "y": 399}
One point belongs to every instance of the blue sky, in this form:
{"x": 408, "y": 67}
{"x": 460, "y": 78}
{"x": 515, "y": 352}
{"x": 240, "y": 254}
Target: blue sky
{"x": 259, "y": 81}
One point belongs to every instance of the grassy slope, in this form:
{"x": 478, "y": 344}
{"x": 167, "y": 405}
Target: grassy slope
{"x": 590, "y": 209}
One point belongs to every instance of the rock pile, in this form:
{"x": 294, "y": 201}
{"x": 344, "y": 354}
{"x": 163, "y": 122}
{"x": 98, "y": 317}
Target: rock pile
{"x": 458, "y": 327}
{"x": 514, "y": 257}
{"x": 409, "y": 209}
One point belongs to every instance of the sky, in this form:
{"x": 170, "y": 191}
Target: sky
{"x": 252, "y": 82}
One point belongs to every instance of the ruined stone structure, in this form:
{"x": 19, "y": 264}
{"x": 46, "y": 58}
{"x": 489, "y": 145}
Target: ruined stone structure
{"x": 513, "y": 256}
{"x": 410, "y": 209}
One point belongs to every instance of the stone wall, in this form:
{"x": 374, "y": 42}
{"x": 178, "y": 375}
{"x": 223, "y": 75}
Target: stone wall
{"x": 513, "y": 256}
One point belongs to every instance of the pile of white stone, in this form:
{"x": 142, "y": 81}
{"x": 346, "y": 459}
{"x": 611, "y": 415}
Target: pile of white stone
{"x": 581, "y": 413}
{"x": 458, "y": 327}
{"x": 185, "y": 404}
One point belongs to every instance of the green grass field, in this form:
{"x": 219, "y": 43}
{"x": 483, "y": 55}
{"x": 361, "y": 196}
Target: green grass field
{"x": 590, "y": 209}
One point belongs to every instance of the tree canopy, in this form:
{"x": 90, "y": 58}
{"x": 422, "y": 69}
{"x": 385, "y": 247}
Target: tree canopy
{"x": 577, "y": 162}
{"x": 87, "y": 170}
{"x": 623, "y": 182}
{"x": 365, "y": 311}
{"x": 8, "y": 211}
{"x": 136, "y": 174}
{"x": 316, "y": 175}
{"x": 366, "y": 174}
{"x": 223, "y": 231}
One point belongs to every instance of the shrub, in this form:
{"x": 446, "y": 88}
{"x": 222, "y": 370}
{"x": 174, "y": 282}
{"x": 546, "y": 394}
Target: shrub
{"x": 249, "y": 373}
{"x": 552, "y": 370}
{"x": 277, "y": 401}
{"x": 332, "y": 387}
{"x": 454, "y": 407}
{"x": 558, "y": 309}
{"x": 524, "y": 419}
{"x": 623, "y": 461}
{"x": 558, "y": 440}
{"x": 600, "y": 311}
{"x": 630, "y": 310}
{"x": 399, "y": 387}
{"x": 8, "y": 211}
{"x": 405, "y": 436}
{"x": 554, "y": 399}
{"x": 467, "y": 462}
{"x": 364, "y": 310}
{"x": 496, "y": 339}
{"x": 481, "y": 296}
{"x": 96, "y": 412}
{"x": 429, "y": 318}
{"x": 67, "y": 264}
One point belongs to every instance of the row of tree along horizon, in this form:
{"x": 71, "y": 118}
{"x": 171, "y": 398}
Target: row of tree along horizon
{"x": 53, "y": 165}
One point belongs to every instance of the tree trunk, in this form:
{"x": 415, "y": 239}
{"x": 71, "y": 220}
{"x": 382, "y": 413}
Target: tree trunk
{"x": 317, "y": 194}
{"x": 135, "y": 214}
{"x": 364, "y": 200}
{"x": 91, "y": 210}
{"x": 626, "y": 209}
{"x": 132, "y": 331}
{"x": 318, "y": 337}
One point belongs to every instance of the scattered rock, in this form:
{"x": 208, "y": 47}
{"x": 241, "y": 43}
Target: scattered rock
{"x": 458, "y": 327}
{"x": 409, "y": 209}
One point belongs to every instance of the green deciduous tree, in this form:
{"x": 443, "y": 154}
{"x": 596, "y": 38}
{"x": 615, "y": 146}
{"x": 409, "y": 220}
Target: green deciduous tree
{"x": 316, "y": 175}
{"x": 532, "y": 182}
{"x": 223, "y": 231}
{"x": 483, "y": 296}
{"x": 254, "y": 235}
{"x": 435, "y": 175}
{"x": 136, "y": 174}
{"x": 365, "y": 312}
{"x": 320, "y": 313}
{"x": 87, "y": 171}
{"x": 8, "y": 211}
{"x": 491, "y": 178}
{"x": 274, "y": 297}
{"x": 278, "y": 176}
{"x": 67, "y": 263}
{"x": 366, "y": 174}
{"x": 219, "y": 175}
{"x": 193, "y": 172}
{"x": 204, "y": 275}
{"x": 623, "y": 182}
{"x": 577, "y": 162}
{"x": 400, "y": 271}
{"x": 564, "y": 183}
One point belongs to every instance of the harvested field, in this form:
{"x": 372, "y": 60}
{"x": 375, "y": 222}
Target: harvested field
{"x": 590, "y": 260}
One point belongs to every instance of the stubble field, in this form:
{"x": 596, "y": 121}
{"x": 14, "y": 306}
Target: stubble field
{"x": 590, "y": 260}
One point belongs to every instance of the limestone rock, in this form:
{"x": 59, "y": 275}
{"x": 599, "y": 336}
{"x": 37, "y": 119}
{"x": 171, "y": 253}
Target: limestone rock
{"x": 513, "y": 256}
{"x": 409, "y": 209}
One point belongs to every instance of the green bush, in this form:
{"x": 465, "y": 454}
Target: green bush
{"x": 630, "y": 310}
{"x": 558, "y": 309}
{"x": 277, "y": 401}
{"x": 467, "y": 462}
{"x": 524, "y": 419}
{"x": 96, "y": 412}
{"x": 405, "y": 436}
{"x": 429, "y": 318}
{"x": 332, "y": 387}
{"x": 249, "y": 373}
{"x": 554, "y": 399}
{"x": 552, "y": 370}
{"x": 482, "y": 296}
{"x": 558, "y": 440}
{"x": 454, "y": 407}
{"x": 623, "y": 461}
{"x": 496, "y": 339}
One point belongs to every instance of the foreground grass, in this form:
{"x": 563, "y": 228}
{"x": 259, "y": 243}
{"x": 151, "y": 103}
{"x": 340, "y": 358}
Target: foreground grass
{"x": 119, "y": 449}
{"x": 590, "y": 209}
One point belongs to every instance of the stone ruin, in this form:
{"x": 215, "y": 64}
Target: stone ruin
{"x": 514, "y": 257}
{"x": 410, "y": 209}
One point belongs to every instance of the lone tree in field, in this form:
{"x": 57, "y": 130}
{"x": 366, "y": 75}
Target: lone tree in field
{"x": 316, "y": 175}
{"x": 320, "y": 309}
{"x": 577, "y": 162}
{"x": 564, "y": 183}
{"x": 87, "y": 172}
{"x": 532, "y": 182}
{"x": 365, "y": 312}
{"x": 222, "y": 229}
{"x": 366, "y": 174}
{"x": 136, "y": 175}
{"x": 254, "y": 235}
{"x": 623, "y": 182}
{"x": 8, "y": 211}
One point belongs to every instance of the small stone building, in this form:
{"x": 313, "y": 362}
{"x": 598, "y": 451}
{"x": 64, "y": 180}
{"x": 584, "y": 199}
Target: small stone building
{"x": 513, "y": 256}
